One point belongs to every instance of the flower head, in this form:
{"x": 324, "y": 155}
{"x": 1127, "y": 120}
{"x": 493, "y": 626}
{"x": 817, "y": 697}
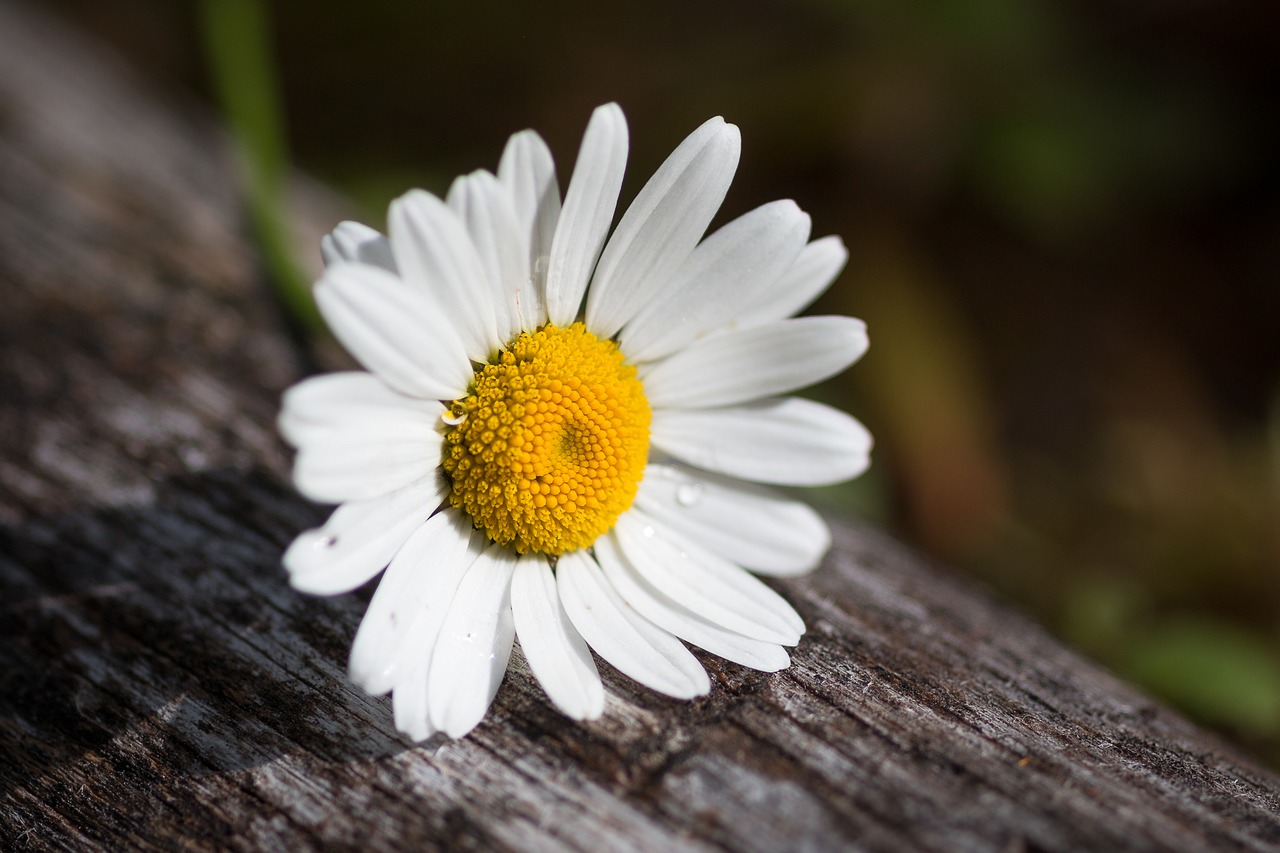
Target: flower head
{"x": 562, "y": 433}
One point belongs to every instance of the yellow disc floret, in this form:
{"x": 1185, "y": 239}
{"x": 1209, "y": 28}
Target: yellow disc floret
{"x": 552, "y": 441}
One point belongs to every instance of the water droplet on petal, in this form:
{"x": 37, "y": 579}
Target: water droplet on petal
{"x": 325, "y": 542}
{"x": 689, "y": 494}
{"x": 648, "y": 531}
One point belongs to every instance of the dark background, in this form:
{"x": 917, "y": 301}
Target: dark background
{"x": 1064, "y": 228}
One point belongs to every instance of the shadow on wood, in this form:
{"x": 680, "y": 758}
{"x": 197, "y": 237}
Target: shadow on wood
{"x": 163, "y": 687}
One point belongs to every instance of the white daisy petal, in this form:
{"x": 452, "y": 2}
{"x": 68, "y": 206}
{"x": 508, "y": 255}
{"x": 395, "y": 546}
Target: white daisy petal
{"x": 709, "y": 585}
{"x": 364, "y": 458}
{"x": 632, "y": 644}
{"x": 404, "y": 617}
{"x": 588, "y": 210}
{"x": 474, "y": 646}
{"x": 328, "y": 475}
{"x": 320, "y": 404}
{"x": 398, "y": 334}
{"x": 348, "y": 433}
{"x": 742, "y": 522}
{"x": 360, "y": 538}
{"x": 788, "y": 442}
{"x": 748, "y": 364}
{"x": 485, "y": 207}
{"x": 351, "y": 241}
{"x": 727, "y": 270}
{"x": 809, "y": 277}
{"x": 409, "y": 702}
{"x": 556, "y": 652}
{"x": 411, "y": 663}
{"x": 662, "y": 225}
{"x": 664, "y": 612}
{"x": 435, "y": 254}
{"x": 529, "y": 174}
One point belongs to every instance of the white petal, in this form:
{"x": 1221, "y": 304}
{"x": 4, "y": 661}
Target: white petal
{"x": 711, "y": 586}
{"x": 762, "y": 361}
{"x": 662, "y": 225}
{"x": 408, "y": 698}
{"x": 809, "y": 277}
{"x": 409, "y": 701}
{"x": 351, "y": 241}
{"x": 726, "y": 271}
{"x": 741, "y": 522}
{"x": 664, "y": 612}
{"x": 314, "y": 408}
{"x": 407, "y": 609}
{"x": 588, "y": 210}
{"x": 529, "y": 174}
{"x": 360, "y": 538}
{"x": 435, "y": 254}
{"x": 362, "y": 459}
{"x": 393, "y": 331}
{"x": 789, "y": 441}
{"x": 556, "y": 652}
{"x": 632, "y": 644}
{"x": 474, "y": 646}
{"x": 486, "y": 209}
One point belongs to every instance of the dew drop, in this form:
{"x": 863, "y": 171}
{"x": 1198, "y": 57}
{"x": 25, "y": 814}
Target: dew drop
{"x": 648, "y": 531}
{"x": 325, "y": 542}
{"x": 689, "y": 494}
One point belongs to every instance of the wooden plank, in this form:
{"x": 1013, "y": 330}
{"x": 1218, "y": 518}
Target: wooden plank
{"x": 161, "y": 687}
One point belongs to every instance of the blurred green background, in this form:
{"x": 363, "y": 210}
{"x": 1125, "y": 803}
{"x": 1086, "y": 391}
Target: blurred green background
{"x": 1064, "y": 228}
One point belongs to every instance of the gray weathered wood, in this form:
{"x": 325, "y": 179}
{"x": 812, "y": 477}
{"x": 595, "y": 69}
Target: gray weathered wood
{"x": 161, "y": 687}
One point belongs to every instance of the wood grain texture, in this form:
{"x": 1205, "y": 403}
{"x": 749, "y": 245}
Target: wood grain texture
{"x": 161, "y": 687}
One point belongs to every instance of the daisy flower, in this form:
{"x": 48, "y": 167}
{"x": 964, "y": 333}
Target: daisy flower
{"x": 563, "y": 433}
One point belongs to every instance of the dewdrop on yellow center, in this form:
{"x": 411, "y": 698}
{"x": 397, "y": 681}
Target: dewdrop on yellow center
{"x": 551, "y": 443}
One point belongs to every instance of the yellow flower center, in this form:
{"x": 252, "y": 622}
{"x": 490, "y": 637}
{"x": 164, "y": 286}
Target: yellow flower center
{"x": 552, "y": 441}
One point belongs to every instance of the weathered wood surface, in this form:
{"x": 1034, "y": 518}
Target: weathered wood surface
{"x": 161, "y": 687}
